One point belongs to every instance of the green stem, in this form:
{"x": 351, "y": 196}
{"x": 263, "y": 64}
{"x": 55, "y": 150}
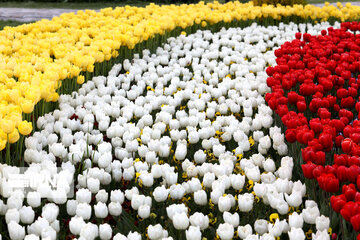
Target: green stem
{"x": 7, "y": 151}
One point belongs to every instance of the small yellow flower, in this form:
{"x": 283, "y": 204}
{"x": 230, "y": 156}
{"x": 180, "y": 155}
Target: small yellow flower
{"x": 251, "y": 141}
{"x": 309, "y": 234}
{"x": 273, "y": 217}
{"x": 137, "y": 175}
{"x": 250, "y": 185}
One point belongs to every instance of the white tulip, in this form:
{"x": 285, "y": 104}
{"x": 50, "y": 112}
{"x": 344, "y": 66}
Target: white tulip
{"x": 322, "y": 223}
{"x": 101, "y": 210}
{"x": 144, "y": 211}
{"x": 245, "y": 202}
{"x": 193, "y": 233}
{"x": 16, "y": 231}
{"x": 296, "y": 234}
{"x": 225, "y": 231}
{"x": 180, "y": 221}
{"x": 105, "y": 231}
{"x": 244, "y": 231}
{"x": 233, "y": 219}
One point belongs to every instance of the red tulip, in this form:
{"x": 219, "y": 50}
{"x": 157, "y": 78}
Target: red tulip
{"x": 301, "y": 106}
{"x": 290, "y": 135}
{"x": 342, "y": 173}
{"x": 349, "y": 191}
{"x": 328, "y": 182}
{"x": 350, "y": 209}
{"x": 338, "y": 202}
{"x": 308, "y": 170}
{"x": 338, "y": 140}
{"x": 346, "y": 145}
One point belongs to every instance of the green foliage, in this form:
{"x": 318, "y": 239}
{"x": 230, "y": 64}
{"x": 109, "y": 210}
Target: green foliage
{"x": 281, "y": 2}
{"x": 9, "y": 23}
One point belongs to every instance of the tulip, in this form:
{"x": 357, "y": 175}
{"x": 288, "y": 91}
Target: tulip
{"x": 16, "y": 231}
{"x": 310, "y": 214}
{"x": 200, "y": 197}
{"x": 245, "y": 202}
{"x": 105, "y": 231}
{"x": 232, "y": 219}
{"x": 27, "y": 215}
{"x": 101, "y": 210}
{"x": 320, "y": 235}
{"x": 34, "y": 199}
{"x": 12, "y": 215}
{"x": 180, "y": 221}
{"x": 322, "y": 223}
{"x": 199, "y": 219}
{"x": 244, "y": 231}
{"x": 25, "y": 128}
{"x": 50, "y": 212}
{"x": 89, "y": 231}
{"x": 296, "y": 233}
{"x": 224, "y": 203}
{"x": 296, "y": 220}
{"x": 144, "y": 211}
{"x": 83, "y": 210}
{"x": 83, "y": 196}
{"x": 193, "y": 233}
{"x": 7, "y": 126}
{"x": 155, "y": 231}
{"x": 225, "y": 231}
{"x": 118, "y": 195}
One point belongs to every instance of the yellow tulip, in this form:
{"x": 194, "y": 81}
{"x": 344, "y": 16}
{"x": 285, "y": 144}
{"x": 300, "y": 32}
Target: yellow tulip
{"x": 14, "y": 136}
{"x": 7, "y": 126}
{"x": 80, "y": 79}
{"x": 27, "y": 106}
{"x": 25, "y": 127}
{"x": 90, "y": 68}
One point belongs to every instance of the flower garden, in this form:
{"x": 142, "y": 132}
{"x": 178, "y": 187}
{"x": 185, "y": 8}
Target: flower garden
{"x": 200, "y": 121}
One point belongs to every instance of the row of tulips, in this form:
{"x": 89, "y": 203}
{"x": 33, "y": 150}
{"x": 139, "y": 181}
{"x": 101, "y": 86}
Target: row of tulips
{"x": 174, "y": 145}
{"x": 41, "y": 60}
{"x": 315, "y": 92}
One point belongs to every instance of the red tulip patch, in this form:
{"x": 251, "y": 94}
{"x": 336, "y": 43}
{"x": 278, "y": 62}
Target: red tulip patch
{"x": 315, "y": 91}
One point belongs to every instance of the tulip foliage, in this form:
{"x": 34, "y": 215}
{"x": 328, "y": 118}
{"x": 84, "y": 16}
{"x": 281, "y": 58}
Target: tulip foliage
{"x": 315, "y": 93}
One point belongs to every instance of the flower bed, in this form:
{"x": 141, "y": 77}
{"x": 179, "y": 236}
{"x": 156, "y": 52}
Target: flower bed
{"x": 39, "y": 61}
{"x": 179, "y": 144}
